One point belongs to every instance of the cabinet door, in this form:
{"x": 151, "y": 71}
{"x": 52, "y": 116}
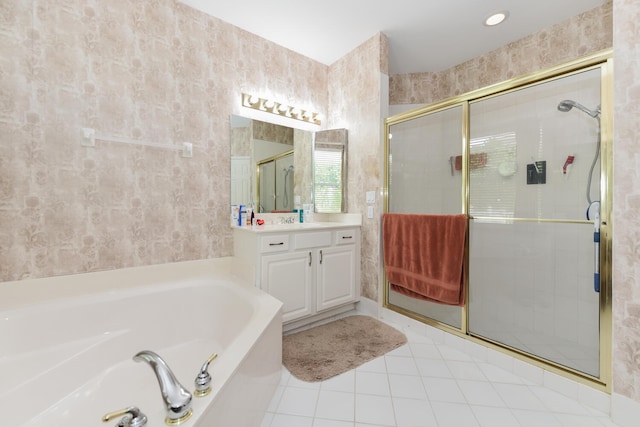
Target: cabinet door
{"x": 336, "y": 276}
{"x": 287, "y": 277}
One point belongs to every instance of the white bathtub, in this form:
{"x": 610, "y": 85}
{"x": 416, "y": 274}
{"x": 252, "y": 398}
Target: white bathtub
{"x": 66, "y": 345}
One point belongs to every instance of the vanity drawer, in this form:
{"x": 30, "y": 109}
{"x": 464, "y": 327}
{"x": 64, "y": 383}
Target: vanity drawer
{"x": 345, "y": 237}
{"x": 274, "y": 243}
{"x": 312, "y": 240}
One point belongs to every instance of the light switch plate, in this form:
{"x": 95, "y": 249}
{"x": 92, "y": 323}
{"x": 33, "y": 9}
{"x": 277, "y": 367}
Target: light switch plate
{"x": 369, "y": 211}
{"x": 371, "y": 196}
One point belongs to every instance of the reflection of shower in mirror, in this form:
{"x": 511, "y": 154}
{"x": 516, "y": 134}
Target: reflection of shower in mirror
{"x": 286, "y": 196}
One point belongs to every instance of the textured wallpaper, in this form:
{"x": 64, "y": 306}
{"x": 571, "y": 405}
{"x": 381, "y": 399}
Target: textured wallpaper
{"x": 583, "y": 34}
{"x": 356, "y": 105}
{"x": 272, "y": 132}
{"x": 626, "y": 199}
{"x": 155, "y": 71}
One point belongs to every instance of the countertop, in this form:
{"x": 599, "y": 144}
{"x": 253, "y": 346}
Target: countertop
{"x": 305, "y": 226}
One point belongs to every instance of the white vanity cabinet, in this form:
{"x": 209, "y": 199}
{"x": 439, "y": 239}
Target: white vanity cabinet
{"x": 288, "y": 277}
{"x": 315, "y": 272}
{"x": 336, "y": 273}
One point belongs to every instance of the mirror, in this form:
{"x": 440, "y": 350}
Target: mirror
{"x": 273, "y": 167}
{"x": 270, "y": 165}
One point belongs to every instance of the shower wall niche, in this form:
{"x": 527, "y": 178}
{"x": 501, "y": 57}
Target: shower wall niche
{"x": 524, "y": 161}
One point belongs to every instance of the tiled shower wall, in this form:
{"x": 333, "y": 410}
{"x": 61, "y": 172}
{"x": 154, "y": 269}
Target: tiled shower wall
{"x": 157, "y": 71}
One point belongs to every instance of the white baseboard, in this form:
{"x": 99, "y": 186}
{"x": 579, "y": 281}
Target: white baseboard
{"x": 368, "y": 307}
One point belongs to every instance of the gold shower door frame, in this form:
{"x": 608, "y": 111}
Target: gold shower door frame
{"x": 603, "y": 61}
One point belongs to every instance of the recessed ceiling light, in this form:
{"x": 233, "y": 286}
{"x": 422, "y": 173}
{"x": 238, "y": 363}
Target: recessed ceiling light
{"x": 496, "y": 18}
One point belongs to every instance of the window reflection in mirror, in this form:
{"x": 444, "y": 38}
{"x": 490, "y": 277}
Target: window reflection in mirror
{"x": 330, "y": 171}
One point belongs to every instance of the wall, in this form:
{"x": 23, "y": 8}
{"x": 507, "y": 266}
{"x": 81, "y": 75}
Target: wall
{"x": 156, "y": 71}
{"x": 626, "y": 201}
{"x": 356, "y": 104}
{"x": 583, "y": 34}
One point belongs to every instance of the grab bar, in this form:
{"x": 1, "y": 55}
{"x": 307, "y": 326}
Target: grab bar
{"x": 89, "y": 137}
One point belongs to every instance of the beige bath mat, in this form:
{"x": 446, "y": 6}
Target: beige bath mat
{"x": 328, "y": 350}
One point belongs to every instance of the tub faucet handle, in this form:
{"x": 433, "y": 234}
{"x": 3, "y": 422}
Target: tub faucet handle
{"x": 131, "y": 417}
{"x": 203, "y": 380}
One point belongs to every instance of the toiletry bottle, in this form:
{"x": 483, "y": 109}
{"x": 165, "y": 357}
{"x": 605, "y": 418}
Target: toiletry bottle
{"x": 297, "y": 210}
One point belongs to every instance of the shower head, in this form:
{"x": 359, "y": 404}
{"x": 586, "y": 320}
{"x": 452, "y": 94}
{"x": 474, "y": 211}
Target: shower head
{"x": 568, "y": 104}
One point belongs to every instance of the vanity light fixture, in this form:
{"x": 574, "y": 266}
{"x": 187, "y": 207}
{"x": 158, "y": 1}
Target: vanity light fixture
{"x": 496, "y": 18}
{"x": 274, "y": 107}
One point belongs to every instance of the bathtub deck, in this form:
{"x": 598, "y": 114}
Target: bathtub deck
{"x": 68, "y": 343}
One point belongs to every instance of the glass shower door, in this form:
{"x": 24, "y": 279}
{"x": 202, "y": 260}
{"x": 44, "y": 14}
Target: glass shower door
{"x": 425, "y": 177}
{"x": 532, "y": 257}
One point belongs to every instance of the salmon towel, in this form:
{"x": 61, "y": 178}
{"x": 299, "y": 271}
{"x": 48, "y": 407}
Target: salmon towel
{"x": 424, "y": 255}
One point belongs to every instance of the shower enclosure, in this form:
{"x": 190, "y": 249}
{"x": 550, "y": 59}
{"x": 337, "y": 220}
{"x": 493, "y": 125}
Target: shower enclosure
{"x": 528, "y": 161}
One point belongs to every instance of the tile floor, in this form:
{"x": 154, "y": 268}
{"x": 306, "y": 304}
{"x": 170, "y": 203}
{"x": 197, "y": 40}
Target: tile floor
{"x": 425, "y": 384}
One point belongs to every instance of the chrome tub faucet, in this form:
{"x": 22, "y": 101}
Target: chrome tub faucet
{"x": 176, "y": 398}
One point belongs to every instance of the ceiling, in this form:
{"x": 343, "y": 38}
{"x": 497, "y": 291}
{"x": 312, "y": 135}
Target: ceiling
{"x": 424, "y": 35}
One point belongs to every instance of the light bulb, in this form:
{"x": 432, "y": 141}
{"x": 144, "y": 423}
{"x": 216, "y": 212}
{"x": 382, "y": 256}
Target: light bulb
{"x": 269, "y": 104}
{"x": 496, "y": 18}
